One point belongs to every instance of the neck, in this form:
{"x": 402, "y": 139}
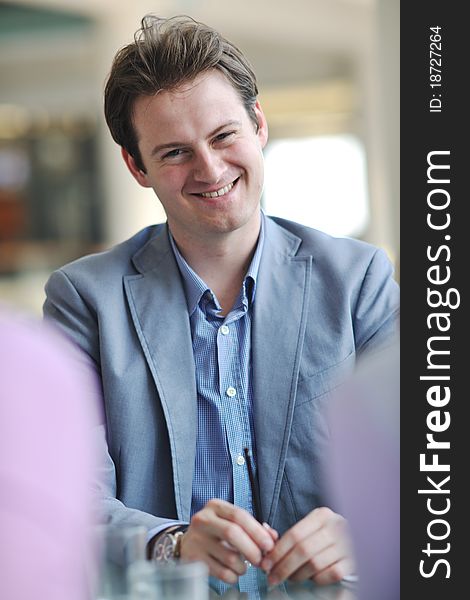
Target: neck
{"x": 222, "y": 261}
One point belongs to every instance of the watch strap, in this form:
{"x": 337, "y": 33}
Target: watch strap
{"x": 175, "y": 533}
{"x": 178, "y": 538}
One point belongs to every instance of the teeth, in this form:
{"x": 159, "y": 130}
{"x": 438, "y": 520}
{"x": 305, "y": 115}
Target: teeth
{"x": 220, "y": 192}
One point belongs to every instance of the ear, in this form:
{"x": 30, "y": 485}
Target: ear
{"x": 137, "y": 173}
{"x": 262, "y": 124}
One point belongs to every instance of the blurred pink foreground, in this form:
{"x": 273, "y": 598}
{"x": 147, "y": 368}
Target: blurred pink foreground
{"x": 45, "y": 464}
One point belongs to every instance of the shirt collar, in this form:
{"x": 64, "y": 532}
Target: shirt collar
{"x": 194, "y": 286}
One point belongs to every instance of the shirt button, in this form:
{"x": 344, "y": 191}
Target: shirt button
{"x": 231, "y": 392}
{"x": 224, "y": 330}
{"x": 240, "y": 460}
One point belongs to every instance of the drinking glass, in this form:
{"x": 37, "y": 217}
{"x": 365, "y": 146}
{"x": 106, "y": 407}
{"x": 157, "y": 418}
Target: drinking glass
{"x": 116, "y": 550}
{"x": 174, "y": 581}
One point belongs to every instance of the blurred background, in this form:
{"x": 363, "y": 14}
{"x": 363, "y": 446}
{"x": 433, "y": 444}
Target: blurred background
{"x": 328, "y": 73}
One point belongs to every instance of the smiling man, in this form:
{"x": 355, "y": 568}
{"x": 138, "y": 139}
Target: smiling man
{"x": 202, "y": 155}
{"x": 219, "y": 334}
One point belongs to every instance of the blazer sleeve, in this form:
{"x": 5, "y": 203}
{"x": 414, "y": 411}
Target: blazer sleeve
{"x": 376, "y": 312}
{"x": 66, "y": 309}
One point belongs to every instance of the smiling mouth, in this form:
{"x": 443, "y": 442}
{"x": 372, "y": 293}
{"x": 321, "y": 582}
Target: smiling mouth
{"x": 217, "y": 193}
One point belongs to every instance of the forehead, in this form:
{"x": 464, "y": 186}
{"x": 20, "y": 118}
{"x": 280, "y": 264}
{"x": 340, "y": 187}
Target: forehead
{"x": 201, "y": 104}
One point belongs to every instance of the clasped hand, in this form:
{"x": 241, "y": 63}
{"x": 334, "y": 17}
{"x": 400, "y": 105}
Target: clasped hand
{"x": 225, "y": 536}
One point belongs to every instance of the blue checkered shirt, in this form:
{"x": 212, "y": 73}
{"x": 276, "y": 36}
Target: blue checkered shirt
{"x": 222, "y": 356}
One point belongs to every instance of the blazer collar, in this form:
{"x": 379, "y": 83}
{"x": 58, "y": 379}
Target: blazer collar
{"x": 160, "y": 315}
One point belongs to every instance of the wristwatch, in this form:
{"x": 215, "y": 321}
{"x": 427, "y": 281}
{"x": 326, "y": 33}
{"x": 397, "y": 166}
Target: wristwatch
{"x": 167, "y": 545}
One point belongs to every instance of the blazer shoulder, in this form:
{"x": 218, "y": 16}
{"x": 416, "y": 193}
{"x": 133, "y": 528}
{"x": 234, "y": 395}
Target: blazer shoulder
{"x": 325, "y": 248}
{"x": 114, "y": 261}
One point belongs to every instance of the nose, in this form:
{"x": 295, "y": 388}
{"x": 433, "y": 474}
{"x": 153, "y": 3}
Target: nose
{"x": 208, "y": 166}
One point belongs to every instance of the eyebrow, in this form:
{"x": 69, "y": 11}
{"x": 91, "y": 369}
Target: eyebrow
{"x": 161, "y": 147}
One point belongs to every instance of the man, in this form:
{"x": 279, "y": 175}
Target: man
{"x": 219, "y": 334}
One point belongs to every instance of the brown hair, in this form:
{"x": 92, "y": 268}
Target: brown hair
{"x": 165, "y": 54}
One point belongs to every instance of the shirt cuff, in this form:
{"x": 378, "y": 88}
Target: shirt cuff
{"x": 156, "y": 530}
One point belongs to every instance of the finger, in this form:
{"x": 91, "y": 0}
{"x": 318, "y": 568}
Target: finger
{"x": 241, "y": 542}
{"x": 290, "y": 540}
{"x": 330, "y": 565}
{"x": 222, "y": 521}
{"x": 315, "y": 552}
{"x": 228, "y": 558}
{"x": 336, "y": 572}
{"x": 197, "y": 546}
{"x": 239, "y": 528}
{"x": 300, "y": 557}
{"x": 308, "y": 538}
{"x": 337, "y": 552}
{"x": 220, "y": 571}
{"x": 272, "y": 532}
{"x": 315, "y": 564}
{"x": 307, "y": 526}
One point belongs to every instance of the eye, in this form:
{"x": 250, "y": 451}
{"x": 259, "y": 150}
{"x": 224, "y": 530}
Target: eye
{"x": 173, "y": 153}
{"x": 222, "y": 137}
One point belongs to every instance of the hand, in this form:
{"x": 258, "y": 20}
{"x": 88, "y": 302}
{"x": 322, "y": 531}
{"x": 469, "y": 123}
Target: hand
{"x": 318, "y": 547}
{"x": 223, "y": 536}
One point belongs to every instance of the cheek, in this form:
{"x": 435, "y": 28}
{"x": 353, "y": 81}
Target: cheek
{"x": 258, "y": 165}
{"x": 249, "y": 156}
{"x": 169, "y": 182}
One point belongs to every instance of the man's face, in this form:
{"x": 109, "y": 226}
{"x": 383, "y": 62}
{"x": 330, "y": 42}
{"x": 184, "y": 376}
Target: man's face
{"x": 202, "y": 156}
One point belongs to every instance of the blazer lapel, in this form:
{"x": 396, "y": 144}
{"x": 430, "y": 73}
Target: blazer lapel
{"x": 281, "y": 303}
{"x": 160, "y": 316}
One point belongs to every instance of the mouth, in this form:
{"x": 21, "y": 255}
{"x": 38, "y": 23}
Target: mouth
{"x": 220, "y": 192}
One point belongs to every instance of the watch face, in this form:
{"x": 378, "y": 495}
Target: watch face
{"x": 165, "y": 547}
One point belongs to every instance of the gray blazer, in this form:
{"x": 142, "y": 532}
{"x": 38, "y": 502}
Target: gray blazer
{"x": 319, "y": 302}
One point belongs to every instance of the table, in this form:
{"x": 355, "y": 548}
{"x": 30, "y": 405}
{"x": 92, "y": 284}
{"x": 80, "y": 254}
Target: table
{"x": 293, "y": 591}
{"x": 126, "y": 584}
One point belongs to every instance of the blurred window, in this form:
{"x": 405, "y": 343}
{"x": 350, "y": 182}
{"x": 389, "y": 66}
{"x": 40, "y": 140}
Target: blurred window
{"x": 318, "y": 181}
{"x": 51, "y": 200}
{"x": 50, "y": 195}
